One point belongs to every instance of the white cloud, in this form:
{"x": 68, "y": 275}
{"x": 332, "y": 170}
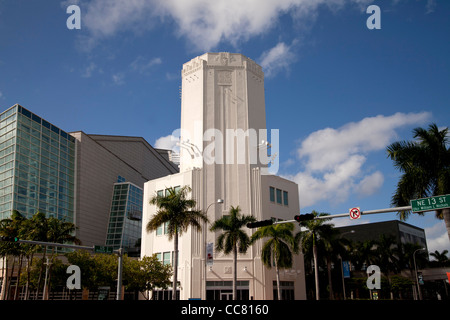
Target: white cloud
{"x": 431, "y": 6}
{"x": 89, "y": 70}
{"x": 204, "y": 23}
{"x": 169, "y": 142}
{"x": 370, "y": 184}
{"x": 118, "y": 78}
{"x": 143, "y": 65}
{"x": 277, "y": 58}
{"x": 333, "y": 159}
{"x": 437, "y": 237}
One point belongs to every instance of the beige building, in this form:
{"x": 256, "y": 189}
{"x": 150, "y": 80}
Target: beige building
{"x": 102, "y": 161}
{"x": 224, "y": 155}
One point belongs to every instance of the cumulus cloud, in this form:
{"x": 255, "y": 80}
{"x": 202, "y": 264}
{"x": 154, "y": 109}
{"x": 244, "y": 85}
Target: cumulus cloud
{"x": 333, "y": 159}
{"x": 169, "y": 142}
{"x": 204, "y": 23}
{"x": 437, "y": 237}
{"x": 277, "y": 59}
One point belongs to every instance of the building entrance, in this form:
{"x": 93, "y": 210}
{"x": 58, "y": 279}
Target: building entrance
{"x": 223, "y": 290}
{"x": 226, "y": 295}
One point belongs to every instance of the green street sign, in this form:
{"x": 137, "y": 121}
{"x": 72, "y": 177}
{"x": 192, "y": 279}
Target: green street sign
{"x": 103, "y": 249}
{"x": 430, "y": 204}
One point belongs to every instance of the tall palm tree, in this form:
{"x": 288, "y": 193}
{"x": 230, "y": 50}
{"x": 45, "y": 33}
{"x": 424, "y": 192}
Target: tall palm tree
{"x": 332, "y": 245}
{"x": 178, "y": 211}
{"x": 317, "y": 230}
{"x": 233, "y": 238}
{"x": 38, "y": 232}
{"x": 388, "y": 256}
{"x": 11, "y": 227}
{"x": 278, "y": 249}
{"x": 58, "y": 231}
{"x": 425, "y": 167}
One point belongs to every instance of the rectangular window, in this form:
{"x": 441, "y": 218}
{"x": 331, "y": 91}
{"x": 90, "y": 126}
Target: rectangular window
{"x": 279, "y": 200}
{"x": 272, "y": 194}
{"x": 166, "y": 258}
{"x": 159, "y": 230}
{"x": 285, "y": 198}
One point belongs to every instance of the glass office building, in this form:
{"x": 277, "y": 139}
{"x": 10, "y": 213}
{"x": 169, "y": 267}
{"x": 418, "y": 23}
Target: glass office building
{"x": 125, "y": 216}
{"x": 37, "y": 165}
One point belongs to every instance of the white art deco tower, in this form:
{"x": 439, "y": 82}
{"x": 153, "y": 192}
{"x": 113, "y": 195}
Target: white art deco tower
{"x": 224, "y": 155}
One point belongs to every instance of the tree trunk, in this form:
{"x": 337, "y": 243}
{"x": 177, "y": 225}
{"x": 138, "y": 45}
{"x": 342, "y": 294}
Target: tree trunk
{"x": 5, "y": 278}
{"x": 27, "y": 285}
{"x": 316, "y": 271}
{"x": 16, "y": 292}
{"x": 330, "y": 282}
{"x": 40, "y": 273}
{"x": 175, "y": 267}
{"x": 8, "y": 288}
{"x": 278, "y": 280}
{"x": 235, "y": 273}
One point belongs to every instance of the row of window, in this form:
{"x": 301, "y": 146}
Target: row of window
{"x": 166, "y": 257}
{"x": 162, "y": 193}
{"x": 120, "y": 230}
{"x": 279, "y": 196}
{"x": 47, "y": 128}
{"x": 163, "y": 229}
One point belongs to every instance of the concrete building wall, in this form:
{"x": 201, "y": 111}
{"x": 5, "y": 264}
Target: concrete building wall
{"x": 223, "y": 93}
{"x": 100, "y": 160}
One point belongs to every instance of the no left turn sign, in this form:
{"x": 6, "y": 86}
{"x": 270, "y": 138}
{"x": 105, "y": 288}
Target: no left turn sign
{"x": 355, "y": 213}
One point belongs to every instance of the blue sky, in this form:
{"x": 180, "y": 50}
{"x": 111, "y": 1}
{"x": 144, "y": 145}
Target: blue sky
{"x": 338, "y": 92}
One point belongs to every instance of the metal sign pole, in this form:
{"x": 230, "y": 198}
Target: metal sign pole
{"x": 341, "y": 215}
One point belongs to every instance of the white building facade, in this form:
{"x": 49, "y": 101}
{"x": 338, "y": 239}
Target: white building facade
{"x": 223, "y": 155}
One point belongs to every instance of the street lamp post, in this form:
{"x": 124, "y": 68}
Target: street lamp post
{"x": 120, "y": 263}
{"x": 415, "y": 270}
{"x": 219, "y": 201}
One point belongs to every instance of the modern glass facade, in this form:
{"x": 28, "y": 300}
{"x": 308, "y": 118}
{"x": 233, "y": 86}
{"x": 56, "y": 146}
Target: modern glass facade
{"x": 125, "y": 216}
{"x": 37, "y": 166}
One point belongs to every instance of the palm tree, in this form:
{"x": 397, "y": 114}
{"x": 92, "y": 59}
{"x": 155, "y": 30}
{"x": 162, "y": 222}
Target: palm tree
{"x": 178, "y": 211}
{"x": 37, "y": 231}
{"x": 363, "y": 253}
{"x": 233, "y": 239}
{"x": 425, "y": 167}
{"x": 388, "y": 256}
{"x": 316, "y": 231}
{"x": 13, "y": 227}
{"x": 278, "y": 249}
{"x": 332, "y": 245}
{"x": 441, "y": 257}
{"x": 58, "y": 231}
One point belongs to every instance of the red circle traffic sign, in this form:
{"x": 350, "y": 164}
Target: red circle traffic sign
{"x": 355, "y": 213}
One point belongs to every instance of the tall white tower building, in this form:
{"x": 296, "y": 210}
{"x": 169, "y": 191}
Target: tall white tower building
{"x": 224, "y": 155}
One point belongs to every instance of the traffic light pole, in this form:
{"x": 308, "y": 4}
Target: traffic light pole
{"x": 341, "y": 215}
